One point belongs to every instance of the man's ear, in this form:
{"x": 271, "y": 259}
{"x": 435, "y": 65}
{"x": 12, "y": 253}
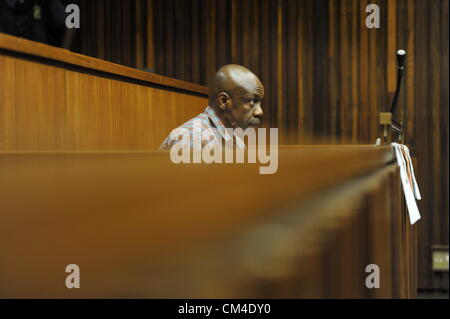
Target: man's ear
{"x": 224, "y": 101}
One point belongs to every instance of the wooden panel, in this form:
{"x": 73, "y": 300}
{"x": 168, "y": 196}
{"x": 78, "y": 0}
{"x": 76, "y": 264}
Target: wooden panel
{"x": 117, "y": 115}
{"x": 22, "y": 46}
{"x": 57, "y": 100}
{"x": 318, "y": 217}
{"x": 32, "y": 105}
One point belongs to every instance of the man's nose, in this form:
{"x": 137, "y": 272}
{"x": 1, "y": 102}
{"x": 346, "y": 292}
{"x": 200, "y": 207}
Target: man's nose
{"x": 258, "y": 112}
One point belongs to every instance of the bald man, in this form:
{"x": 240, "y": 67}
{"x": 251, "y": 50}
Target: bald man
{"x": 235, "y": 96}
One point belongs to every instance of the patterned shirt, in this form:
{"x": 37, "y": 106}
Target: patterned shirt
{"x": 206, "y": 125}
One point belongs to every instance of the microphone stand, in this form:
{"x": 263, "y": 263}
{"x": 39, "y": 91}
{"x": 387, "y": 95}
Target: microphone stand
{"x": 401, "y": 58}
{"x": 386, "y": 118}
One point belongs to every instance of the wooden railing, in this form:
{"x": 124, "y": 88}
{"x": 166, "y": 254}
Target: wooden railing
{"x": 52, "y": 99}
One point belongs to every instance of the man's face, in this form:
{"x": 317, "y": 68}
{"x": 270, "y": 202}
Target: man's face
{"x": 246, "y": 105}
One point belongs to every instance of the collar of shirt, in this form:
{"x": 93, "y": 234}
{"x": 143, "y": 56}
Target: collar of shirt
{"x": 212, "y": 115}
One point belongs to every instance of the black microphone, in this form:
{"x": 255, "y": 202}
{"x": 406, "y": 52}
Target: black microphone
{"x": 401, "y": 59}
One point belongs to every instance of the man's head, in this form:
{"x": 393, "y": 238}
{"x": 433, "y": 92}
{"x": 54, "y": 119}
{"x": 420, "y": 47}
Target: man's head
{"x": 236, "y": 94}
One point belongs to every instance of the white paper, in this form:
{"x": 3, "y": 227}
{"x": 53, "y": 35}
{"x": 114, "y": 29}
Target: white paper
{"x": 411, "y": 192}
{"x": 416, "y": 187}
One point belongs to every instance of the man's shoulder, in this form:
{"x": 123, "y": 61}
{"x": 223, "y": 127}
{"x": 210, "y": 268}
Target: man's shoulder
{"x": 199, "y": 122}
{"x": 201, "y": 118}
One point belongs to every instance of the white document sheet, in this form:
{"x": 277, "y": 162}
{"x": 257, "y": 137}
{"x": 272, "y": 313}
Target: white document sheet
{"x": 409, "y": 183}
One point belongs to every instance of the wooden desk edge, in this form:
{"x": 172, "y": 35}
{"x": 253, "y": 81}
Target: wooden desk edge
{"x": 24, "y": 46}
